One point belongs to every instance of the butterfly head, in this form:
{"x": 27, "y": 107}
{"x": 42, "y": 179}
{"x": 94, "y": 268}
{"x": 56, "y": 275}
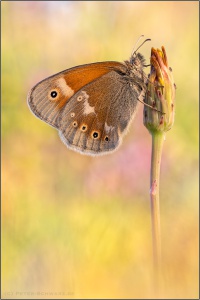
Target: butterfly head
{"x": 137, "y": 60}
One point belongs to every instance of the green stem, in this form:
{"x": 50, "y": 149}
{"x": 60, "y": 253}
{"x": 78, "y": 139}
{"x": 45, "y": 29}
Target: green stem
{"x": 157, "y": 144}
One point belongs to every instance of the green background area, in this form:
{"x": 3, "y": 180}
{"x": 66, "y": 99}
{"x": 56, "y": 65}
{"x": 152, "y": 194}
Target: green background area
{"x": 79, "y": 227}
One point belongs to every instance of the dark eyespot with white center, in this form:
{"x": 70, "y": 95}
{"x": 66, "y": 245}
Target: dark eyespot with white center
{"x": 95, "y": 135}
{"x": 53, "y": 94}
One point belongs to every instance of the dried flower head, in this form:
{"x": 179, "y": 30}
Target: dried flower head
{"x": 160, "y": 94}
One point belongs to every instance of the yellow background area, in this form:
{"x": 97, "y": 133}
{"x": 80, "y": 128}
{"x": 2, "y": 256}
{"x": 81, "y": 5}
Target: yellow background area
{"x": 75, "y": 226}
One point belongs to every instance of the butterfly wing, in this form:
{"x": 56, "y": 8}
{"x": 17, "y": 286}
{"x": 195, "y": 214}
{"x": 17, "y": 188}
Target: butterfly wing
{"x": 96, "y": 117}
{"x": 48, "y": 97}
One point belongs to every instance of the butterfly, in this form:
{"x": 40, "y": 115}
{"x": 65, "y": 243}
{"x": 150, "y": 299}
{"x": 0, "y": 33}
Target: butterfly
{"x": 91, "y": 105}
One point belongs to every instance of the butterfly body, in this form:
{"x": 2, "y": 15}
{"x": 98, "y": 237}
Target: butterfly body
{"x": 91, "y": 105}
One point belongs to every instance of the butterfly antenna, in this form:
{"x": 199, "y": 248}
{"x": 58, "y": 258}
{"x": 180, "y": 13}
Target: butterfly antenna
{"x": 141, "y": 36}
{"x": 134, "y": 51}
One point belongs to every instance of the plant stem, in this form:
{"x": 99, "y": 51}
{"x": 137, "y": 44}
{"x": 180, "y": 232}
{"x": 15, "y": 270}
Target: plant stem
{"x": 157, "y": 144}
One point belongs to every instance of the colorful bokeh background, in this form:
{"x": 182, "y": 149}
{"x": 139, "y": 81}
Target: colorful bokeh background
{"x": 79, "y": 227}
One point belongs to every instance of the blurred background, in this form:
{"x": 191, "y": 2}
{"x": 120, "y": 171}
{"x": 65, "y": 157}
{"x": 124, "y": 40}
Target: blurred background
{"x": 79, "y": 227}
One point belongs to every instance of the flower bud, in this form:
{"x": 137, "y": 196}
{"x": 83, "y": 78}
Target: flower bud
{"x": 160, "y": 94}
